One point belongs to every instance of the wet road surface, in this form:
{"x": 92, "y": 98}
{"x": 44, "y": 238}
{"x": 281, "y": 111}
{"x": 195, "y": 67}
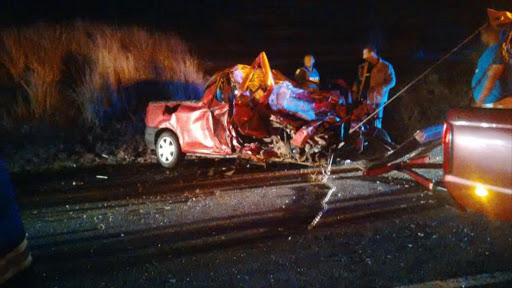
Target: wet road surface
{"x": 215, "y": 225}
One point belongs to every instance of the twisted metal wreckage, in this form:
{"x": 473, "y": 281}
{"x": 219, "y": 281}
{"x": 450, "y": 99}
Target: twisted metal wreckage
{"x": 273, "y": 120}
{"x": 257, "y": 113}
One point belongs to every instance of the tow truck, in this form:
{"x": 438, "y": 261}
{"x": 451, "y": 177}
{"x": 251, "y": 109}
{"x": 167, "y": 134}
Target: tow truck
{"x": 476, "y": 162}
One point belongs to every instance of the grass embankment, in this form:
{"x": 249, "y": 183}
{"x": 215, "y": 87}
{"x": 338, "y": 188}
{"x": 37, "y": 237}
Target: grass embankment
{"x": 73, "y": 80}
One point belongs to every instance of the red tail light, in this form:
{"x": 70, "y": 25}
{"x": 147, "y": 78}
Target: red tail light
{"x": 447, "y": 148}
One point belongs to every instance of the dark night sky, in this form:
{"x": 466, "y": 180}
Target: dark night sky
{"x": 226, "y": 33}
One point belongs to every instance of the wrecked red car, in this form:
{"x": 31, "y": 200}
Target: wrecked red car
{"x": 251, "y": 112}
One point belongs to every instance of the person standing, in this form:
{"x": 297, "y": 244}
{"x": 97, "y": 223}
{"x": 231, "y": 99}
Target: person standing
{"x": 376, "y": 78}
{"x": 15, "y": 259}
{"x": 307, "y": 77}
{"x": 492, "y": 81}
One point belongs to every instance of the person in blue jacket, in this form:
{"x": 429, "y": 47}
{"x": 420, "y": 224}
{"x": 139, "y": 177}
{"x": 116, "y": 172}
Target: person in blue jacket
{"x": 492, "y": 80}
{"x": 14, "y": 256}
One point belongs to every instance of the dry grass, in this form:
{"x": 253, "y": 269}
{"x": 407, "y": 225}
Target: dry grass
{"x": 427, "y": 102}
{"x": 61, "y": 69}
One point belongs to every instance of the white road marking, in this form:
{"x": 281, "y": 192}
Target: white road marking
{"x": 467, "y": 281}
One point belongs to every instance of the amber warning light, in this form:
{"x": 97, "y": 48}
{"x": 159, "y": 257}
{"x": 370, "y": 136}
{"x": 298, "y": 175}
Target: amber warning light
{"x": 481, "y": 191}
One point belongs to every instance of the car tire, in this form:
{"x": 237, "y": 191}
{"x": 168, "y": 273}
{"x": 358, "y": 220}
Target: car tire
{"x": 168, "y": 150}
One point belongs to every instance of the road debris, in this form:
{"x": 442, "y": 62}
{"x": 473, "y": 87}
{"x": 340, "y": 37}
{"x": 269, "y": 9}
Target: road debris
{"x": 326, "y": 174}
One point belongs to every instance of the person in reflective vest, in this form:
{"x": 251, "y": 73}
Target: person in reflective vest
{"x": 307, "y": 77}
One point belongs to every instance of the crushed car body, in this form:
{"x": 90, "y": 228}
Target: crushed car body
{"x": 252, "y": 112}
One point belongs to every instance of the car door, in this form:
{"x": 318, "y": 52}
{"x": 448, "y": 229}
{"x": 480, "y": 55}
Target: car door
{"x": 203, "y": 127}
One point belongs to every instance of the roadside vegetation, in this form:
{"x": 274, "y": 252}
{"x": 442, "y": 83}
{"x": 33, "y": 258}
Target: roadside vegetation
{"x": 85, "y": 83}
{"x": 59, "y": 70}
{"x": 427, "y": 101}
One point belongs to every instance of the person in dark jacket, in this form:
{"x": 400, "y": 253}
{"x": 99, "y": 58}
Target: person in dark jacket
{"x": 307, "y": 77}
{"x": 376, "y": 78}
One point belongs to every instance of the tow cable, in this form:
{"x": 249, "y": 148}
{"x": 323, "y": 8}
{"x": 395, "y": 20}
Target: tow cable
{"x": 326, "y": 173}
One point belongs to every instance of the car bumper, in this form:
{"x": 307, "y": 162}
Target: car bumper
{"x": 497, "y": 203}
{"x": 149, "y": 137}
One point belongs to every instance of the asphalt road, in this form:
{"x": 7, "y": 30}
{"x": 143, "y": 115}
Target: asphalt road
{"x": 216, "y": 224}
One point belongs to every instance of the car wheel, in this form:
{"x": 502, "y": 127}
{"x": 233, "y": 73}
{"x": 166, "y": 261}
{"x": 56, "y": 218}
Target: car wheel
{"x": 168, "y": 150}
